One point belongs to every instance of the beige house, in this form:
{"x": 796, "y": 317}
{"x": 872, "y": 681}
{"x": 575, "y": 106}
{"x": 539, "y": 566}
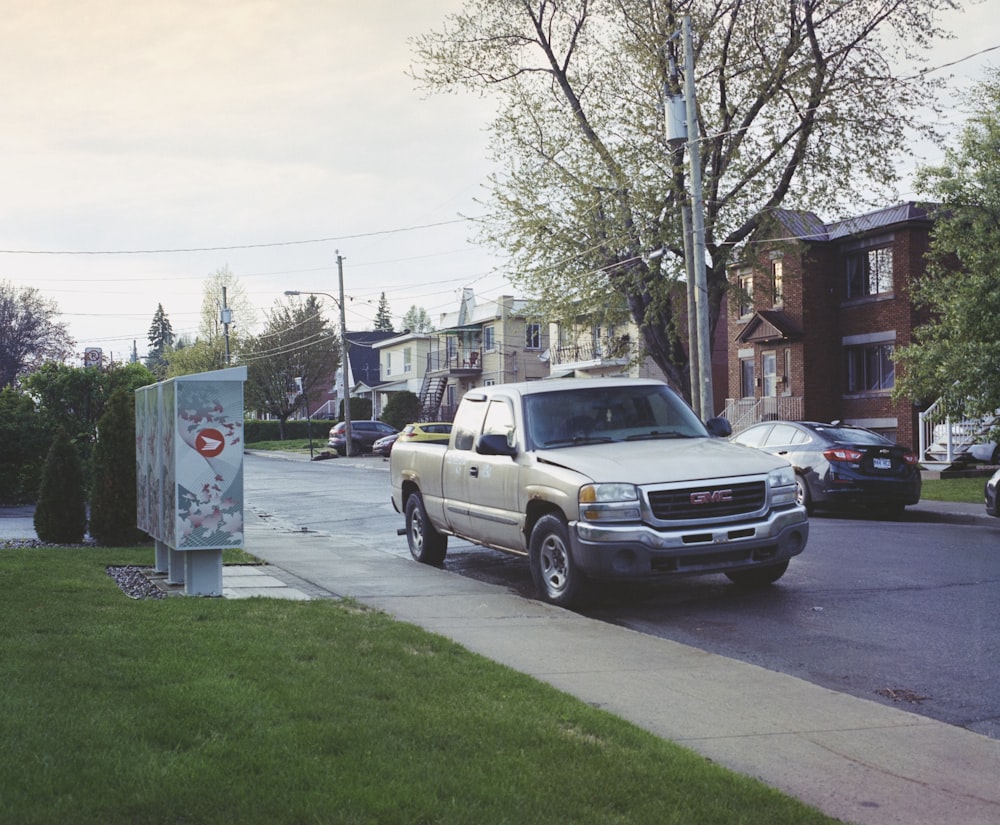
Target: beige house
{"x": 583, "y": 349}
{"x": 483, "y": 342}
{"x": 403, "y": 361}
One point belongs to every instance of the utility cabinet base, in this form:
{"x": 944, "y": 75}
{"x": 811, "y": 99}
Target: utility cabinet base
{"x": 202, "y": 572}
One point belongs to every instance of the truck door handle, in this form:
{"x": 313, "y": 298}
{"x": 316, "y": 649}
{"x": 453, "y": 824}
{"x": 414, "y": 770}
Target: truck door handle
{"x": 474, "y": 472}
{"x": 782, "y": 452}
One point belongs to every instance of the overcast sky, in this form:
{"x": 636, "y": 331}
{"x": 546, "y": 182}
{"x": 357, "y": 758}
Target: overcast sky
{"x": 192, "y": 124}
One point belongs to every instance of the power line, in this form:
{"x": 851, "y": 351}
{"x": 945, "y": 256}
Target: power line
{"x": 228, "y": 248}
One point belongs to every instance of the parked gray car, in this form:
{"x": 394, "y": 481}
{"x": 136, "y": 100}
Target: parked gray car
{"x": 364, "y": 434}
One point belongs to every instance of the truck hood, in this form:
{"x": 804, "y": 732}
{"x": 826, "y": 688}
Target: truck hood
{"x": 658, "y": 461}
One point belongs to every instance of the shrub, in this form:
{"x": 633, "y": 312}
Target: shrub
{"x": 255, "y": 430}
{"x": 112, "y": 486}
{"x": 361, "y": 409}
{"x": 24, "y": 441}
{"x": 401, "y": 409}
{"x": 61, "y": 512}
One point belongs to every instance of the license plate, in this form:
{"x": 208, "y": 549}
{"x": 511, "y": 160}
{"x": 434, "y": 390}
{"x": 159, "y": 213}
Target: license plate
{"x": 882, "y": 463}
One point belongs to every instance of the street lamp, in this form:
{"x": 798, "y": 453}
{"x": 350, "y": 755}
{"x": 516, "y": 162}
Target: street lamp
{"x": 343, "y": 346}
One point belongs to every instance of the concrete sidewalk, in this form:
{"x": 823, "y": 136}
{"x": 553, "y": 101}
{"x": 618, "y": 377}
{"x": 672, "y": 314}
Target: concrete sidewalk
{"x": 854, "y": 759}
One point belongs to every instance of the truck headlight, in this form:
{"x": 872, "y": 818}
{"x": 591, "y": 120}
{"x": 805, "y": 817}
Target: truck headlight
{"x": 609, "y": 502}
{"x": 782, "y": 484}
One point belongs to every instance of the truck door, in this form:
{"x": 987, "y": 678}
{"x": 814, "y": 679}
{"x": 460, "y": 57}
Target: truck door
{"x": 458, "y": 458}
{"x": 495, "y": 512}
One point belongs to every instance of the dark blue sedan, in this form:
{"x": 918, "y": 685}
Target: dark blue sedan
{"x": 838, "y": 465}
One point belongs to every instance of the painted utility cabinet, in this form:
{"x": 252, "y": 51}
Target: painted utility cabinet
{"x": 189, "y": 474}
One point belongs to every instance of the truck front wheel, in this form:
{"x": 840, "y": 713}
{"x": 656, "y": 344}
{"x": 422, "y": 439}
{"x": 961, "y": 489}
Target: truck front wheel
{"x": 427, "y": 545}
{"x": 558, "y": 579}
{"x": 758, "y": 576}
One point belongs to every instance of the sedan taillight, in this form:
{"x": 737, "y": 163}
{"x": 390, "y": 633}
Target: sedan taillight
{"x": 842, "y": 454}
{"x": 911, "y": 458}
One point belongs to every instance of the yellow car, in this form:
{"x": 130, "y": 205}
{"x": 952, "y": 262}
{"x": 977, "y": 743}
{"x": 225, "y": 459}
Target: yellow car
{"x": 436, "y": 432}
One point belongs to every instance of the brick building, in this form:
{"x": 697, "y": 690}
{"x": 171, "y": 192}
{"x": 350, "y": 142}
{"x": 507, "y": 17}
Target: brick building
{"x": 816, "y": 314}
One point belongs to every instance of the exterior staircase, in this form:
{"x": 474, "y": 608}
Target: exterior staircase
{"x": 431, "y": 393}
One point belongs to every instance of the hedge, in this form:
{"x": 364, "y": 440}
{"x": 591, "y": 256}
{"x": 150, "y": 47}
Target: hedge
{"x": 257, "y": 430}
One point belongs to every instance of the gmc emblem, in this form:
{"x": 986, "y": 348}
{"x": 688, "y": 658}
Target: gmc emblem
{"x": 713, "y": 497}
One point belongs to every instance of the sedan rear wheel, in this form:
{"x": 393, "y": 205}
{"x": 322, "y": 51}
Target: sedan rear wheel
{"x": 802, "y": 495}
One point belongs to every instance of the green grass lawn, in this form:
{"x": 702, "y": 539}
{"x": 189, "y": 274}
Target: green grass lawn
{"x": 954, "y": 489}
{"x": 290, "y": 444}
{"x": 202, "y": 710}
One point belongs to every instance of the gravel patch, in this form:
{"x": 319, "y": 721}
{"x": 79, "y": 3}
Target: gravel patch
{"x": 133, "y": 582}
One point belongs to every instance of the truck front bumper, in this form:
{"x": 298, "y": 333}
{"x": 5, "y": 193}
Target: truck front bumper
{"x": 636, "y": 551}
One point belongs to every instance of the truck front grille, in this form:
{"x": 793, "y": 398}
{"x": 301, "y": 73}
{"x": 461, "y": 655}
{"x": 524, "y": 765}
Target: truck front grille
{"x": 707, "y": 502}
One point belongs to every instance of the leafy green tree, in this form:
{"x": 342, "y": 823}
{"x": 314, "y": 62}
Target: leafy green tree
{"x": 24, "y": 442}
{"x": 29, "y": 333}
{"x": 201, "y": 356}
{"x": 801, "y": 104}
{"x": 401, "y": 409}
{"x": 161, "y": 339}
{"x": 297, "y": 342}
{"x": 112, "y": 489}
{"x": 223, "y": 288}
{"x": 956, "y": 354}
{"x": 383, "y": 318}
{"x": 61, "y": 511}
{"x": 74, "y": 397}
{"x": 417, "y": 320}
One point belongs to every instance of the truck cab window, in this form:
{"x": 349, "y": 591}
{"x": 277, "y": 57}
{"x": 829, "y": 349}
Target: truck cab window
{"x": 468, "y": 422}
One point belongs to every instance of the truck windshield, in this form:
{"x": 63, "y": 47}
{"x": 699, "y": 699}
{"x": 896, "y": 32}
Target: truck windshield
{"x": 620, "y": 413}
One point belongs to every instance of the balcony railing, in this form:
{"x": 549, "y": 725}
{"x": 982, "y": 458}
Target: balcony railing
{"x": 608, "y": 349}
{"x": 461, "y": 361}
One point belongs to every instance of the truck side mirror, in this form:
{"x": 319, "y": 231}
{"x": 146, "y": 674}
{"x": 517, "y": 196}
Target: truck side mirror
{"x": 719, "y": 427}
{"x": 495, "y": 444}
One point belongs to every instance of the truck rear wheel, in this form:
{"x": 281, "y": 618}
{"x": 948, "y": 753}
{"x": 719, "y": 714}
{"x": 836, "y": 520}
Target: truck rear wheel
{"x": 427, "y": 545}
{"x": 558, "y": 579}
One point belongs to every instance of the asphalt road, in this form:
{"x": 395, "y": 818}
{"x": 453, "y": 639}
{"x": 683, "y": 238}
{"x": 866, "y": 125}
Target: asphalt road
{"x": 903, "y": 613}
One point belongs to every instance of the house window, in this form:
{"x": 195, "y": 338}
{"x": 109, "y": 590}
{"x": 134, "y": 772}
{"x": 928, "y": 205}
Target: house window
{"x": 788, "y": 373}
{"x": 869, "y": 272}
{"x": 744, "y": 286}
{"x": 388, "y": 363}
{"x": 451, "y": 348}
{"x": 408, "y": 359}
{"x": 488, "y": 343}
{"x": 533, "y": 336}
{"x": 777, "y": 273}
{"x": 746, "y": 378}
{"x": 870, "y": 368}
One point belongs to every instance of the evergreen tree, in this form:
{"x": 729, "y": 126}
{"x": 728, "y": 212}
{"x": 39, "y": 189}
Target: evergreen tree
{"x": 61, "y": 512}
{"x": 113, "y": 494}
{"x": 161, "y": 338}
{"x": 383, "y": 318}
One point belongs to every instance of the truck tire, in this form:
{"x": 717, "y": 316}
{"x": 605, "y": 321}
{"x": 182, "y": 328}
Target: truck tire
{"x": 558, "y": 580}
{"x": 758, "y": 576}
{"x": 427, "y": 545}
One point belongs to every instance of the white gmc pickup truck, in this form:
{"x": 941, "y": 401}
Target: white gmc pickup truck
{"x": 598, "y": 479}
